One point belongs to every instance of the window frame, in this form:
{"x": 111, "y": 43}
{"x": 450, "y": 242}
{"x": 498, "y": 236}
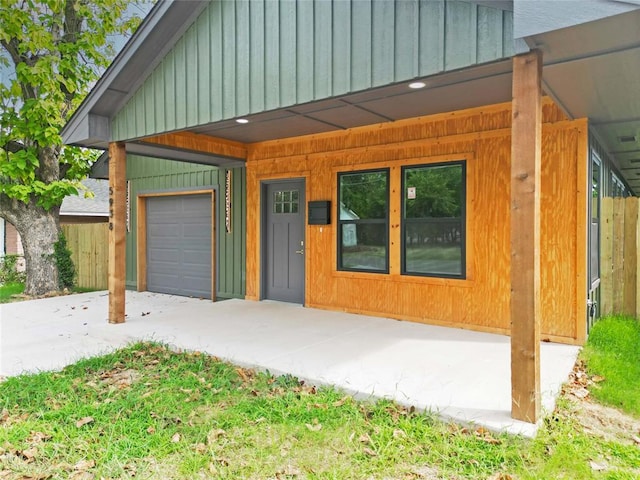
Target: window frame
{"x": 463, "y": 221}
{"x": 384, "y": 221}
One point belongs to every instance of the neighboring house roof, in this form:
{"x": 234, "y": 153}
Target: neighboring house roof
{"x": 80, "y": 206}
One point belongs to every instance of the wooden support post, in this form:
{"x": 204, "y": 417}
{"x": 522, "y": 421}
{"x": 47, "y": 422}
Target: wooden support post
{"x": 117, "y": 230}
{"x": 526, "y": 134}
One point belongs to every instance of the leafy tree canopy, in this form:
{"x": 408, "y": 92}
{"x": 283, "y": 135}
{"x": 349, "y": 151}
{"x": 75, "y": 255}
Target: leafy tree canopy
{"x": 52, "y": 51}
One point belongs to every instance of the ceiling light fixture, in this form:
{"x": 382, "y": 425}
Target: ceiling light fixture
{"x": 627, "y": 138}
{"x": 242, "y": 120}
{"x": 417, "y": 85}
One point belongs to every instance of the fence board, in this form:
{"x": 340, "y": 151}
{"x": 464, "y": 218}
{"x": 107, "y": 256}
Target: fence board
{"x": 89, "y": 251}
{"x": 606, "y": 256}
{"x": 619, "y": 266}
{"x": 630, "y": 256}
{"x": 618, "y": 254}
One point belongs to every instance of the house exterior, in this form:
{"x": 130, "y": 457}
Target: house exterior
{"x": 458, "y": 141}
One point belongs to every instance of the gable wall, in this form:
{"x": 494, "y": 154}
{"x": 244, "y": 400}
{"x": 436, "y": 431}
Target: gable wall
{"x": 244, "y": 57}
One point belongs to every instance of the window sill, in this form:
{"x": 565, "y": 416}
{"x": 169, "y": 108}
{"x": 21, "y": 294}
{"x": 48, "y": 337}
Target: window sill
{"x": 409, "y": 279}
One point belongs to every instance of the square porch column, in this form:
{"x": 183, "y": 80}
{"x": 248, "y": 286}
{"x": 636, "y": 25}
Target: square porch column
{"x": 526, "y": 134}
{"x": 117, "y": 230}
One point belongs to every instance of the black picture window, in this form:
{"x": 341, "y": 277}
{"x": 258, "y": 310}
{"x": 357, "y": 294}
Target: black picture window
{"x": 433, "y": 220}
{"x": 363, "y": 221}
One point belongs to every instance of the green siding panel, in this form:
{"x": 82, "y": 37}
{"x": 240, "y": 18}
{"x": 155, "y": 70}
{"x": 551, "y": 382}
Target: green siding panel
{"x": 153, "y": 175}
{"x": 245, "y": 57}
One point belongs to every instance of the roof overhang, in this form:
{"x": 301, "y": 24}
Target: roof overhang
{"x": 591, "y": 70}
{"x": 162, "y": 27}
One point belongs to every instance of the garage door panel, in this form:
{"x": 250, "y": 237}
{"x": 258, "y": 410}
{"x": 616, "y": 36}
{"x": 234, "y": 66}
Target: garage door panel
{"x": 179, "y": 245}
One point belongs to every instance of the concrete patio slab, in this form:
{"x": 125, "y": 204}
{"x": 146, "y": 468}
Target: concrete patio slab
{"x": 459, "y": 374}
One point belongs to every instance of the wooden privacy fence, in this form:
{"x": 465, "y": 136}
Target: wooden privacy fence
{"x": 89, "y": 245}
{"x": 619, "y": 266}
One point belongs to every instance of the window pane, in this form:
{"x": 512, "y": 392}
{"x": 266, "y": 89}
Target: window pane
{"x": 433, "y": 220}
{"x": 434, "y": 248}
{"x": 363, "y": 220}
{"x": 433, "y": 192}
{"x": 363, "y": 195}
{"x": 364, "y": 246}
{"x": 277, "y": 208}
{"x": 294, "y": 207}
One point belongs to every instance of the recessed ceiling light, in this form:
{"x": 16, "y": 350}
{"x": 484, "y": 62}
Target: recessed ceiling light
{"x": 626, "y": 138}
{"x": 417, "y": 85}
{"x": 242, "y": 120}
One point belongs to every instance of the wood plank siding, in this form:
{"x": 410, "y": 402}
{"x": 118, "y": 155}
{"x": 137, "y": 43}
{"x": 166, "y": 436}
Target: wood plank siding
{"x": 150, "y": 175}
{"x": 482, "y": 137}
{"x": 240, "y": 58}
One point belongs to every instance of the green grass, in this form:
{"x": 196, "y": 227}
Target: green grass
{"x": 613, "y": 353}
{"x": 148, "y": 412}
{"x": 9, "y": 289}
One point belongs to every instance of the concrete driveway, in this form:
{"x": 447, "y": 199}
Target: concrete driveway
{"x": 459, "y": 374}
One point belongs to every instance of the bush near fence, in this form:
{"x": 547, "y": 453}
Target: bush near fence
{"x": 89, "y": 245}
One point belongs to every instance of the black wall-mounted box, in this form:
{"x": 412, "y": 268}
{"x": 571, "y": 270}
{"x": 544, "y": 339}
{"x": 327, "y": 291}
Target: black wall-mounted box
{"x": 319, "y": 212}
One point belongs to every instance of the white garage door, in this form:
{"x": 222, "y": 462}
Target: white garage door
{"x": 179, "y": 245}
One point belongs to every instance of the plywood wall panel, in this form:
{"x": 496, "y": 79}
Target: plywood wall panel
{"x": 482, "y": 138}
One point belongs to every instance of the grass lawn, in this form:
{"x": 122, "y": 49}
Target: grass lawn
{"x": 146, "y": 412}
{"x": 613, "y": 356}
{"x": 9, "y": 289}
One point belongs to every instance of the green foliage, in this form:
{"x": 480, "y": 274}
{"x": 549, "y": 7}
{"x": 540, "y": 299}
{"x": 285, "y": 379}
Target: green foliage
{"x": 53, "y": 50}
{"x": 9, "y": 270}
{"x": 66, "y": 268}
{"x": 613, "y": 353}
{"x": 8, "y": 290}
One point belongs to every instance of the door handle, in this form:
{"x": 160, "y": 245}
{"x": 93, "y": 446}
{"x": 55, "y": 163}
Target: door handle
{"x": 300, "y": 252}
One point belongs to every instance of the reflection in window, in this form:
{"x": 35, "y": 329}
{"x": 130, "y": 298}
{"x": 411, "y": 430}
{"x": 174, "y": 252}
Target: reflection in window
{"x": 433, "y": 223}
{"x": 363, "y": 226}
{"x": 286, "y": 201}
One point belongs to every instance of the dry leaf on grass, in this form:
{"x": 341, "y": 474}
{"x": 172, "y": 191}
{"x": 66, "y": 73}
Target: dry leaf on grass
{"x": 38, "y": 437}
{"x": 314, "y": 426}
{"x": 369, "y": 452}
{"x": 28, "y": 454}
{"x": 288, "y": 471}
{"x": 214, "y": 435}
{"x": 501, "y": 476}
{"x": 597, "y": 467}
{"x": 84, "y": 421}
{"x": 636, "y": 439}
{"x": 341, "y": 402}
{"x": 82, "y": 476}
{"x": 84, "y": 465}
{"x": 175, "y": 438}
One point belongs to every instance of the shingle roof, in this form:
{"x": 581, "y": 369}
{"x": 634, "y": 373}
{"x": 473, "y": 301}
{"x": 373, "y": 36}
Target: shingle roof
{"x": 98, "y": 206}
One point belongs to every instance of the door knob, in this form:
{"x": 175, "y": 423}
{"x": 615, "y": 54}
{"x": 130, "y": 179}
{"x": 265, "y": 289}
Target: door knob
{"x": 300, "y": 252}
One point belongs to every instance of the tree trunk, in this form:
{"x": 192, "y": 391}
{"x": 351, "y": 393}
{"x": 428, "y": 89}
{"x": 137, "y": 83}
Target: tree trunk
{"x": 39, "y": 230}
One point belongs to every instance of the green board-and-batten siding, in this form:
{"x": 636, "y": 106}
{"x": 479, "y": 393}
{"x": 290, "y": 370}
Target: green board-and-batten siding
{"x": 148, "y": 175}
{"x": 250, "y": 56}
